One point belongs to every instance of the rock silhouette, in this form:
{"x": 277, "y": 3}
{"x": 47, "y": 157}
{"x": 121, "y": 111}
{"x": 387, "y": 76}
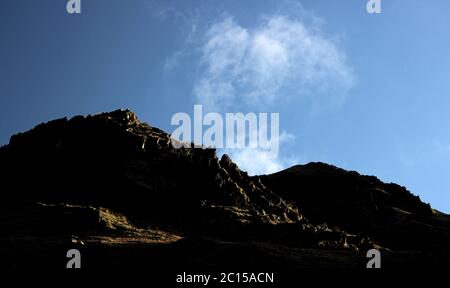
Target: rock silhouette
{"x": 117, "y": 189}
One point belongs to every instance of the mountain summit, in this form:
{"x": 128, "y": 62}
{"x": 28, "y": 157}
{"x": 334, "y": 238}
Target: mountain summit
{"x": 116, "y": 189}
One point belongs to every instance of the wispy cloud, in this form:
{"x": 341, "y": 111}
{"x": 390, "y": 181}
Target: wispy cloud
{"x": 282, "y": 60}
{"x": 279, "y": 59}
{"x": 173, "y": 60}
{"x": 257, "y": 161}
{"x": 187, "y": 22}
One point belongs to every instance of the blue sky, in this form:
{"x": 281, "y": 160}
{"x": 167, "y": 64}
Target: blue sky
{"x": 365, "y": 92}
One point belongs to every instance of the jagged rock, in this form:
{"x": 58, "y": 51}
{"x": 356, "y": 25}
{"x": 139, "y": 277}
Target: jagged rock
{"x": 107, "y": 179}
{"x": 388, "y": 213}
{"x": 113, "y": 160}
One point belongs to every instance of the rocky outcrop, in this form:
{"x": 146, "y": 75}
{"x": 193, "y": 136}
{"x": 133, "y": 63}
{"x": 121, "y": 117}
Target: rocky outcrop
{"x": 113, "y": 160}
{"x": 388, "y": 213}
{"x": 109, "y": 179}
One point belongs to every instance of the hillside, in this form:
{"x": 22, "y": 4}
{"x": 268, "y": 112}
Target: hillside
{"x": 115, "y": 188}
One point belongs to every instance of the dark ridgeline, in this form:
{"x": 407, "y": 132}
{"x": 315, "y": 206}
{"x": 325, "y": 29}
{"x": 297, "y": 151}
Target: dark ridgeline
{"x": 116, "y": 189}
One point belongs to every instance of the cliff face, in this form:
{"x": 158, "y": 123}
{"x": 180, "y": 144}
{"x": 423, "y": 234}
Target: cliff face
{"x": 113, "y": 160}
{"x": 106, "y": 180}
{"x": 388, "y": 213}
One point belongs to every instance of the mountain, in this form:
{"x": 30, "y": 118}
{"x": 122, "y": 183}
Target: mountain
{"x": 388, "y": 213}
{"x": 115, "y": 189}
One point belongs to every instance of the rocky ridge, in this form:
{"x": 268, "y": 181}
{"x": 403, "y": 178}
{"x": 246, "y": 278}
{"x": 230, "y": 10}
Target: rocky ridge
{"x": 109, "y": 179}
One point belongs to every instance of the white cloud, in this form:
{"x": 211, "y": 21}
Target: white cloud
{"x": 282, "y": 61}
{"x": 274, "y": 63}
{"x": 258, "y": 161}
{"x": 173, "y": 60}
{"x": 264, "y": 64}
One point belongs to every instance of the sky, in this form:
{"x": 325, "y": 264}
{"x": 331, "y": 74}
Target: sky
{"x": 365, "y": 92}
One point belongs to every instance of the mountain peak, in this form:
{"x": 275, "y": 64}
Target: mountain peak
{"x": 62, "y": 177}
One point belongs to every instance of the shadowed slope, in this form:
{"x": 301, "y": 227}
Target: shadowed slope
{"x": 116, "y": 188}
